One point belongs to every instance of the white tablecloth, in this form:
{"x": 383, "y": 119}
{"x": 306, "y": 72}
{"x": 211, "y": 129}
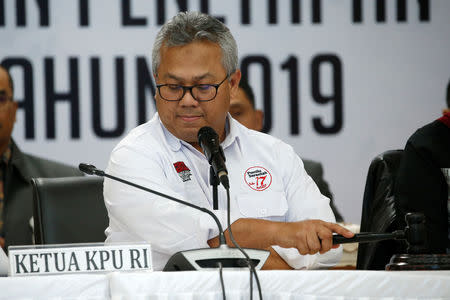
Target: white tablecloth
{"x": 80, "y": 286}
{"x": 283, "y": 285}
{"x": 333, "y": 284}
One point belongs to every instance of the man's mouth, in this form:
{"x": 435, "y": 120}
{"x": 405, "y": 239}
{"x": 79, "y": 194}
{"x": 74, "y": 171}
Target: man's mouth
{"x": 189, "y": 118}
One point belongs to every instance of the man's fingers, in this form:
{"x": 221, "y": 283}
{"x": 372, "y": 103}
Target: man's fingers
{"x": 313, "y": 242}
{"x": 317, "y": 236}
{"x": 302, "y": 245}
{"x": 303, "y": 249}
{"x": 340, "y": 230}
{"x": 326, "y": 237}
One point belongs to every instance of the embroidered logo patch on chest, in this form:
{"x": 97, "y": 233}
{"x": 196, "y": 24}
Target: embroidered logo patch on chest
{"x": 258, "y": 178}
{"x": 183, "y": 171}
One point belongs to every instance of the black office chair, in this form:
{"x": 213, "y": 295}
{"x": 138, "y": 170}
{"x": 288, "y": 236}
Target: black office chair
{"x": 380, "y": 212}
{"x": 69, "y": 210}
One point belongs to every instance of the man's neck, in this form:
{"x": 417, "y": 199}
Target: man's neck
{"x": 197, "y": 146}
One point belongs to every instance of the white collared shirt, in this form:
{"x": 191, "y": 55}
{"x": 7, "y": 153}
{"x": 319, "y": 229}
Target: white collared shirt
{"x": 267, "y": 181}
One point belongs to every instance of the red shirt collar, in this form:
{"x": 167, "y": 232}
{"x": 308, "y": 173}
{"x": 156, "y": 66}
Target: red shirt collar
{"x": 445, "y": 119}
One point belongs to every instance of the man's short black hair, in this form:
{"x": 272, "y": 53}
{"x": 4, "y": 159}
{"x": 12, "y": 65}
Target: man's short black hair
{"x": 243, "y": 84}
{"x": 11, "y": 82}
{"x": 448, "y": 94}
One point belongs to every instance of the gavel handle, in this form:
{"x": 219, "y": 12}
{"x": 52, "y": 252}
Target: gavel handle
{"x": 367, "y": 237}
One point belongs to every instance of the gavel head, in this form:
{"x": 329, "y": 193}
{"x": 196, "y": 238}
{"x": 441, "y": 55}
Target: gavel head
{"x": 415, "y": 233}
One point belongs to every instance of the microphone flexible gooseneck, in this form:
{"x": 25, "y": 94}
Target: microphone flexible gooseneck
{"x": 92, "y": 170}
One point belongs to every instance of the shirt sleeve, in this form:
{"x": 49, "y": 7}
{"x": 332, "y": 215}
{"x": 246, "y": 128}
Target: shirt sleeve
{"x": 305, "y": 202}
{"x": 136, "y": 215}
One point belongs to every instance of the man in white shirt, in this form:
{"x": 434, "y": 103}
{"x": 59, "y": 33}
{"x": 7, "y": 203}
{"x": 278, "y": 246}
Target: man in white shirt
{"x": 274, "y": 205}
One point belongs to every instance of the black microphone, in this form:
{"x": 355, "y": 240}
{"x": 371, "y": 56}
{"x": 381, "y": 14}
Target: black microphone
{"x": 197, "y": 258}
{"x": 90, "y": 169}
{"x": 209, "y": 141}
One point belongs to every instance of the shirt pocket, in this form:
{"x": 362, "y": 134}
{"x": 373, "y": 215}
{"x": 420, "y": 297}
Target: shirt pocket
{"x": 268, "y": 205}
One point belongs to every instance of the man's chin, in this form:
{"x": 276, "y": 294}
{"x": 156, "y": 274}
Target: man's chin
{"x": 188, "y": 135}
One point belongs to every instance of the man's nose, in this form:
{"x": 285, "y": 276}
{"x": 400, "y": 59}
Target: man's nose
{"x": 188, "y": 99}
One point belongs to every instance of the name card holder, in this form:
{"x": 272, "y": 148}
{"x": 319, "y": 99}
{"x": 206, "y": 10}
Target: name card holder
{"x": 78, "y": 258}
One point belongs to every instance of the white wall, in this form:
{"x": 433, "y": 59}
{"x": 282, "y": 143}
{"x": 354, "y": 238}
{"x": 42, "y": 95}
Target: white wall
{"x": 394, "y": 75}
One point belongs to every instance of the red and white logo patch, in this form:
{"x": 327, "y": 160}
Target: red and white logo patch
{"x": 258, "y": 178}
{"x": 183, "y": 171}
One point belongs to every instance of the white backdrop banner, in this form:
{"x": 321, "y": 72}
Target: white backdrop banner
{"x": 341, "y": 81}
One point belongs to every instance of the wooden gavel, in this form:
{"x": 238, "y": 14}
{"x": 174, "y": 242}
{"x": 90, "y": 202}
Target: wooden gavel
{"x": 414, "y": 234}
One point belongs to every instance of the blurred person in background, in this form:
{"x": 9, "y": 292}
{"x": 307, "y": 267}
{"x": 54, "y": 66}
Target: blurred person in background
{"x": 16, "y": 170}
{"x": 423, "y": 179}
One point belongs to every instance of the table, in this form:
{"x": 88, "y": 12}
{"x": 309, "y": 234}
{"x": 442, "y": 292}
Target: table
{"x": 318, "y": 284}
{"x": 82, "y": 286}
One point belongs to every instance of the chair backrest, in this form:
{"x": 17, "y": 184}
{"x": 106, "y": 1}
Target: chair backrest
{"x": 379, "y": 211}
{"x": 69, "y": 210}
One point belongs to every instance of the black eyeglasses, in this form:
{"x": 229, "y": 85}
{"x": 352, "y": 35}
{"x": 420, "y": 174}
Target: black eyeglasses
{"x": 200, "y": 92}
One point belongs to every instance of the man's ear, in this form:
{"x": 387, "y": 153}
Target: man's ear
{"x": 234, "y": 82}
{"x": 259, "y": 119}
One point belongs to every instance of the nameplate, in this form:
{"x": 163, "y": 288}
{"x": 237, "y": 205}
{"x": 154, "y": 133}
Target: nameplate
{"x": 43, "y": 260}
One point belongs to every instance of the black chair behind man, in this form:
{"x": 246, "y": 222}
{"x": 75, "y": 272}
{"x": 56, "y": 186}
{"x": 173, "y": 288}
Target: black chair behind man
{"x": 379, "y": 212}
{"x": 69, "y": 210}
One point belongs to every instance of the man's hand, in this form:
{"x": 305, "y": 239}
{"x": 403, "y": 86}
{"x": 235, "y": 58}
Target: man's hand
{"x": 310, "y": 236}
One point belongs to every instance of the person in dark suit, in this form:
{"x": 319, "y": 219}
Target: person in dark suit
{"x": 242, "y": 108}
{"x": 423, "y": 179}
{"x": 16, "y": 170}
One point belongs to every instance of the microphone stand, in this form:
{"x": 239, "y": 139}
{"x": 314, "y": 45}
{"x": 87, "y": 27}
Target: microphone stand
{"x": 214, "y": 181}
{"x": 209, "y": 142}
{"x": 196, "y": 259}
